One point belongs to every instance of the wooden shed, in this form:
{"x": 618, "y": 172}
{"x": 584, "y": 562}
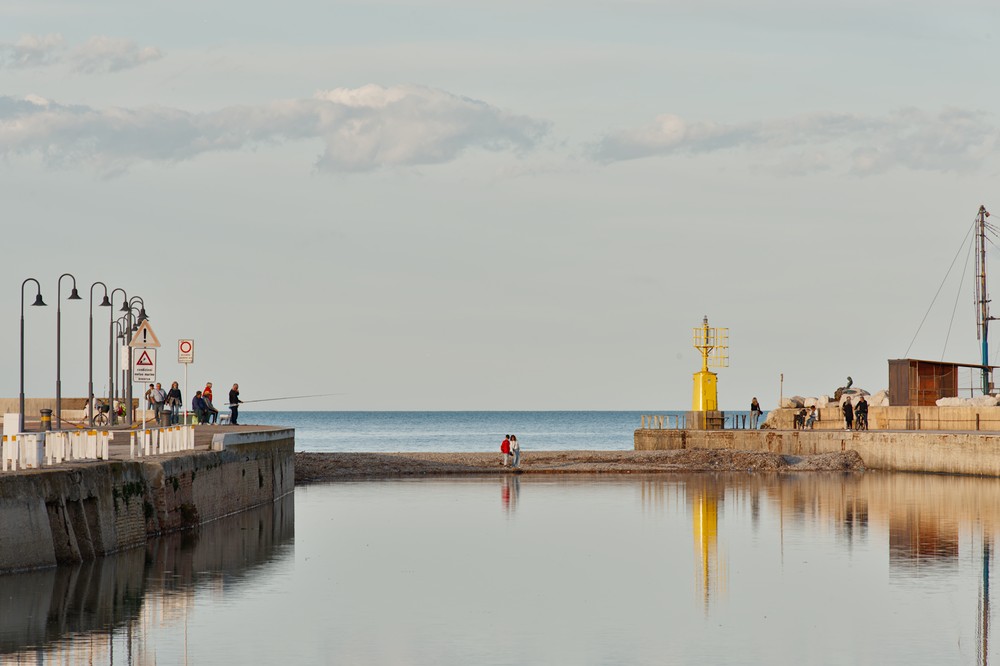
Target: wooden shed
{"x": 916, "y": 383}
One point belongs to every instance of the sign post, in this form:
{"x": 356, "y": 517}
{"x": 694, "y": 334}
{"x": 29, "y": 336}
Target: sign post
{"x": 185, "y": 355}
{"x": 144, "y": 366}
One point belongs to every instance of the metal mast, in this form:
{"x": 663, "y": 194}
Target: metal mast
{"x": 982, "y": 298}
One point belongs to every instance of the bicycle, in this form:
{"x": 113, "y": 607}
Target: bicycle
{"x": 101, "y": 418}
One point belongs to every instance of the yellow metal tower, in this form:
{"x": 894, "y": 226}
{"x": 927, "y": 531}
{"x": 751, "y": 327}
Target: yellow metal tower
{"x": 713, "y": 343}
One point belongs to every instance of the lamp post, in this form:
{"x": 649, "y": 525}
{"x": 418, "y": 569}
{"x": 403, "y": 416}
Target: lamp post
{"x": 38, "y": 301}
{"x": 111, "y": 350}
{"x": 119, "y": 328}
{"x": 128, "y": 306}
{"x": 90, "y": 348}
{"x": 73, "y": 296}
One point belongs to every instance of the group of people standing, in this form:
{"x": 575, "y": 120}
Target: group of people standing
{"x": 509, "y": 448}
{"x": 159, "y": 400}
{"x": 856, "y": 416}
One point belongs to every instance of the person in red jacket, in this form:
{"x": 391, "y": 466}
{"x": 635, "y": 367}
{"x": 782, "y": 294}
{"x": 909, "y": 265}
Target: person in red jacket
{"x": 505, "y": 449}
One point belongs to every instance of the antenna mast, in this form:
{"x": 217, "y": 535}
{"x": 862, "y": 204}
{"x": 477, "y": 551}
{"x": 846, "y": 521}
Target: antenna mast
{"x": 982, "y": 298}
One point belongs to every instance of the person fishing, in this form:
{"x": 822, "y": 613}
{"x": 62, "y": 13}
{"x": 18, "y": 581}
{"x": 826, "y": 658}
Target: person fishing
{"x": 234, "y": 404}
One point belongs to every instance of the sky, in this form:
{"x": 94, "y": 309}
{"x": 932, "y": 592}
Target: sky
{"x": 444, "y": 205}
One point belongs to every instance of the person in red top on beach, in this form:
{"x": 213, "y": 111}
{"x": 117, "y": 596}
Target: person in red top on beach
{"x": 505, "y": 449}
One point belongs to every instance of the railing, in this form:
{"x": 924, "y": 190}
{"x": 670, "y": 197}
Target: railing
{"x": 161, "y": 440}
{"x": 679, "y": 422}
{"x": 36, "y": 450}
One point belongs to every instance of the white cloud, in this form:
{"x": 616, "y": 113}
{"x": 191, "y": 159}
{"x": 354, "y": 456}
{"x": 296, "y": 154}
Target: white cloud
{"x": 952, "y": 140}
{"x": 363, "y": 129}
{"x": 32, "y": 51}
{"x": 99, "y": 54}
{"x": 107, "y": 54}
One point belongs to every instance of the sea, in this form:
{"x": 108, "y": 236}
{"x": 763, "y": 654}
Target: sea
{"x": 465, "y": 432}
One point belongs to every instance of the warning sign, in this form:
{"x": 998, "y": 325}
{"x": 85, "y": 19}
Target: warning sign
{"x": 144, "y": 337}
{"x": 144, "y": 365}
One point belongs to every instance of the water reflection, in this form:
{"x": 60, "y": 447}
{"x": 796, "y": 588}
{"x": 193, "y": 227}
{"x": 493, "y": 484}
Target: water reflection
{"x": 929, "y": 522}
{"x": 510, "y": 486}
{"x": 701, "y": 568}
{"x": 99, "y": 611}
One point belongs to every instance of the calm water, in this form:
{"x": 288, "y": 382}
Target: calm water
{"x": 684, "y": 569}
{"x": 457, "y": 431}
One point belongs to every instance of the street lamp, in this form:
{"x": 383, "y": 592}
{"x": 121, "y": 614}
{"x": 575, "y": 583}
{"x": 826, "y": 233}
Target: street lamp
{"x": 90, "y": 349}
{"x": 111, "y": 349}
{"x": 38, "y": 301}
{"x": 128, "y": 307}
{"x": 73, "y": 296}
{"x": 120, "y": 328}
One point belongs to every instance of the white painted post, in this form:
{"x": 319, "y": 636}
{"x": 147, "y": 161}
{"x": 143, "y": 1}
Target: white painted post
{"x": 131, "y": 444}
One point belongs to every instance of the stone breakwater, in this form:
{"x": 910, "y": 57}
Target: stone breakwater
{"x": 320, "y": 467}
{"x": 82, "y": 511}
{"x": 893, "y": 451}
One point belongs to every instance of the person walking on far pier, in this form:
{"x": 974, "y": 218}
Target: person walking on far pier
{"x": 515, "y": 449}
{"x": 234, "y": 404}
{"x": 848, "y": 409}
{"x": 158, "y": 398}
{"x": 505, "y": 450}
{"x": 755, "y": 413}
{"x": 174, "y": 402}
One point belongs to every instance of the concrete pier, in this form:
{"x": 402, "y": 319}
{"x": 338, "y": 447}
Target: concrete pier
{"x": 79, "y": 511}
{"x": 975, "y": 453}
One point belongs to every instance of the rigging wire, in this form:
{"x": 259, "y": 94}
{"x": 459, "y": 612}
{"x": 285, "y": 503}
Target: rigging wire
{"x": 965, "y": 271}
{"x": 938, "y": 293}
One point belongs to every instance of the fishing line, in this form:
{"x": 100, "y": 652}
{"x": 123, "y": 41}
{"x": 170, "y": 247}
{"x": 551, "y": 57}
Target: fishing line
{"x": 940, "y": 287}
{"x": 287, "y": 397}
{"x": 954, "y": 309}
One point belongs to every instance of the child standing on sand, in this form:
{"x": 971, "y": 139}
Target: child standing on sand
{"x": 505, "y": 449}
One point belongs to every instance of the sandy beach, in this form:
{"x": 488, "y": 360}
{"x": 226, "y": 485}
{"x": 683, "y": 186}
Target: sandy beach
{"x": 320, "y": 467}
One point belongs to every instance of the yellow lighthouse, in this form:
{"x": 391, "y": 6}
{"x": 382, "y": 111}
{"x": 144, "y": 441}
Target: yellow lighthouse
{"x": 713, "y": 343}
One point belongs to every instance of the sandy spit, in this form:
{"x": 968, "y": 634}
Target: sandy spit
{"x": 318, "y": 467}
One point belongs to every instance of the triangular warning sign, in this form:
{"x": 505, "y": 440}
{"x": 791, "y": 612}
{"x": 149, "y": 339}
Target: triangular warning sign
{"x": 144, "y": 359}
{"x": 144, "y": 336}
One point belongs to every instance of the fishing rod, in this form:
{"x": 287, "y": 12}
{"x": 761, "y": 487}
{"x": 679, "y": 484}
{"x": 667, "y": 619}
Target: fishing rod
{"x": 287, "y": 397}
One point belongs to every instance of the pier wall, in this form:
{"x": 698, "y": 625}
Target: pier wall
{"x": 936, "y": 452}
{"x": 77, "y": 513}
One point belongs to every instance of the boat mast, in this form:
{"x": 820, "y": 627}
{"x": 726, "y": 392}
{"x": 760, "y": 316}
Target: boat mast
{"x": 982, "y": 299}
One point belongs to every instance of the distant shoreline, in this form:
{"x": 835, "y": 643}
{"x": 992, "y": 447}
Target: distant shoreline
{"x": 323, "y": 467}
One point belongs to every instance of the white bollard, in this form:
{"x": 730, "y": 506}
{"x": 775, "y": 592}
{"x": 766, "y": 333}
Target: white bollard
{"x": 34, "y": 450}
{"x": 131, "y": 444}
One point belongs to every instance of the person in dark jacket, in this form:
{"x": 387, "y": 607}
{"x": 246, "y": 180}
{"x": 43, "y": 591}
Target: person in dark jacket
{"x": 755, "y": 412}
{"x": 234, "y": 404}
{"x": 199, "y": 408}
{"x": 174, "y": 401}
{"x": 861, "y": 414}
{"x": 848, "y": 413}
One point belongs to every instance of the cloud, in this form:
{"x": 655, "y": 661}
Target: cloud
{"x": 106, "y": 54}
{"x": 97, "y": 55}
{"x": 32, "y": 51}
{"x": 363, "y": 129}
{"x": 952, "y": 140}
